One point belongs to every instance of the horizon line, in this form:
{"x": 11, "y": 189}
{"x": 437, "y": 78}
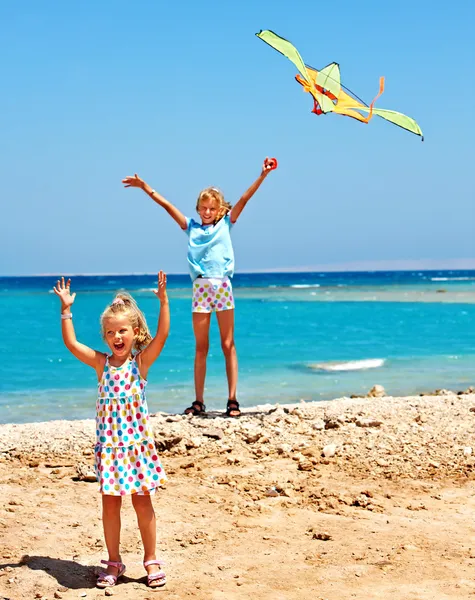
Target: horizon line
{"x": 462, "y": 264}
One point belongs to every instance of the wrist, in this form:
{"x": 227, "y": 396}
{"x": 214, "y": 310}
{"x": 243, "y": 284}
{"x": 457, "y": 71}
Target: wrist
{"x": 65, "y": 309}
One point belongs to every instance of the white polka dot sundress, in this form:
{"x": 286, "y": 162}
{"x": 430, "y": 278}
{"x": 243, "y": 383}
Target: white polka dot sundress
{"x": 125, "y": 454}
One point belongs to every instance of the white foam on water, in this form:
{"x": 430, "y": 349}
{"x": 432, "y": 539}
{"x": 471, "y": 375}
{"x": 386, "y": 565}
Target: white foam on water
{"x": 351, "y": 365}
{"x": 452, "y": 279}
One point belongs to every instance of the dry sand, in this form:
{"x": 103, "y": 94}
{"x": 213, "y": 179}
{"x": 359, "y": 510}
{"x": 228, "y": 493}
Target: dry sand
{"x": 351, "y": 499}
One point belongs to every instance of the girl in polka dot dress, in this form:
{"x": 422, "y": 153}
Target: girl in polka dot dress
{"x": 125, "y": 456}
{"x": 211, "y": 262}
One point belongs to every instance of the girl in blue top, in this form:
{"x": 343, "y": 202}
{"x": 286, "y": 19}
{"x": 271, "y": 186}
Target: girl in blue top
{"x": 211, "y": 262}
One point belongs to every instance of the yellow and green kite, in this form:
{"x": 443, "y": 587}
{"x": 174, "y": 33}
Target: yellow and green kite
{"x": 328, "y": 93}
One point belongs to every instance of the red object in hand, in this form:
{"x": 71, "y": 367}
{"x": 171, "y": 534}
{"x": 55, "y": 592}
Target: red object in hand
{"x": 272, "y": 163}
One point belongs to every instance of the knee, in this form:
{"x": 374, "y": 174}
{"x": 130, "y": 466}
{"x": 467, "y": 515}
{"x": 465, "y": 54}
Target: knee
{"x": 202, "y": 349}
{"x": 111, "y": 504}
{"x": 142, "y": 505}
{"x": 227, "y": 346}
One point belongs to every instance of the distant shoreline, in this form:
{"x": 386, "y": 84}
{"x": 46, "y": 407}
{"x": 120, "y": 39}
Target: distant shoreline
{"x": 463, "y": 264}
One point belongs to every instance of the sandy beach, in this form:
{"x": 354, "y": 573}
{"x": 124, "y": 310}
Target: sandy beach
{"x": 354, "y": 498}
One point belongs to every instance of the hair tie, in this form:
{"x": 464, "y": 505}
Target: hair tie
{"x": 117, "y": 301}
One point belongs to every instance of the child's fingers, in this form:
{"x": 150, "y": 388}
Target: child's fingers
{"x": 270, "y": 164}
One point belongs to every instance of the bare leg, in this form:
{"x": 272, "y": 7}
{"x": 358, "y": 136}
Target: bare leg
{"x": 111, "y": 506}
{"x": 201, "y": 323}
{"x": 226, "y": 330}
{"x": 148, "y": 529}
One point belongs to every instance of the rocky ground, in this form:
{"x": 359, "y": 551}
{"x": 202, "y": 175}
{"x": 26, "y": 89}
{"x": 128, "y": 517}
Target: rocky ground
{"x": 355, "y": 498}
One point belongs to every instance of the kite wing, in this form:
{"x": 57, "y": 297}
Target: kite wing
{"x": 286, "y": 48}
{"x": 399, "y": 119}
{"x": 290, "y": 51}
{"x": 328, "y": 93}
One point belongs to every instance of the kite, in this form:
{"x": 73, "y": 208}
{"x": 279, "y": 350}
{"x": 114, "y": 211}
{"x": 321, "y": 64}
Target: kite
{"x": 329, "y": 94}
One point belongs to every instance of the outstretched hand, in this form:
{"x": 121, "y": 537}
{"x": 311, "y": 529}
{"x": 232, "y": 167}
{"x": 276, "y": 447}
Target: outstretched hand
{"x": 133, "y": 181}
{"x": 161, "y": 292}
{"x": 63, "y": 290}
{"x": 269, "y": 165}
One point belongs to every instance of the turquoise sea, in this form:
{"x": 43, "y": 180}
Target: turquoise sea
{"x": 310, "y": 336}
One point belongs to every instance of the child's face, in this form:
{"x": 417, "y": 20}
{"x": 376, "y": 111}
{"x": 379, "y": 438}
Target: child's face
{"x": 119, "y": 335}
{"x": 208, "y": 210}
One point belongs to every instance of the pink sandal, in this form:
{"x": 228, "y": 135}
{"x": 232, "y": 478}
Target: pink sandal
{"x": 106, "y": 579}
{"x": 158, "y": 579}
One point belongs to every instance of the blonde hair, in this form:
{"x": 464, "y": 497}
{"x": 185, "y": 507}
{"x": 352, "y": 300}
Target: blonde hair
{"x": 212, "y": 193}
{"x": 124, "y": 304}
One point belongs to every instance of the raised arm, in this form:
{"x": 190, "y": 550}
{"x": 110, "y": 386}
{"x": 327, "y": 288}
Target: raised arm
{"x": 172, "y": 210}
{"x": 268, "y": 166}
{"x": 150, "y": 354}
{"x": 87, "y": 355}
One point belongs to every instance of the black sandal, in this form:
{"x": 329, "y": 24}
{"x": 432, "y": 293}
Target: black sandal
{"x": 233, "y": 407}
{"x": 197, "y": 408}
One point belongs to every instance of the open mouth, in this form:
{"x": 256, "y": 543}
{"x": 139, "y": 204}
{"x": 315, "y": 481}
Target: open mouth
{"x": 119, "y": 346}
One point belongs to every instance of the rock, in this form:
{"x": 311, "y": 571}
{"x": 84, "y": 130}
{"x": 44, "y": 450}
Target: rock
{"x": 284, "y": 448}
{"x": 329, "y": 450}
{"x": 318, "y": 425}
{"x": 108, "y": 592}
{"x": 324, "y": 536}
{"x": 368, "y": 422}
{"x": 467, "y": 451}
{"x": 168, "y": 443}
{"x": 377, "y": 391}
{"x": 215, "y": 434}
{"x": 86, "y": 473}
{"x": 194, "y": 442}
{"x": 332, "y": 423}
{"x": 272, "y": 492}
{"x": 305, "y": 465}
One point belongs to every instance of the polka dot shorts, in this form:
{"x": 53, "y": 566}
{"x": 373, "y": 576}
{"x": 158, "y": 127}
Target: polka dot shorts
{"x": 212, "y": 294}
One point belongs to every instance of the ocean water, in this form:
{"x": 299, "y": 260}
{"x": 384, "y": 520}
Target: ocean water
{"x": 299, "y": 336}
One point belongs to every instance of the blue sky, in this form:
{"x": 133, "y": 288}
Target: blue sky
{"x": 184, "y": 94}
